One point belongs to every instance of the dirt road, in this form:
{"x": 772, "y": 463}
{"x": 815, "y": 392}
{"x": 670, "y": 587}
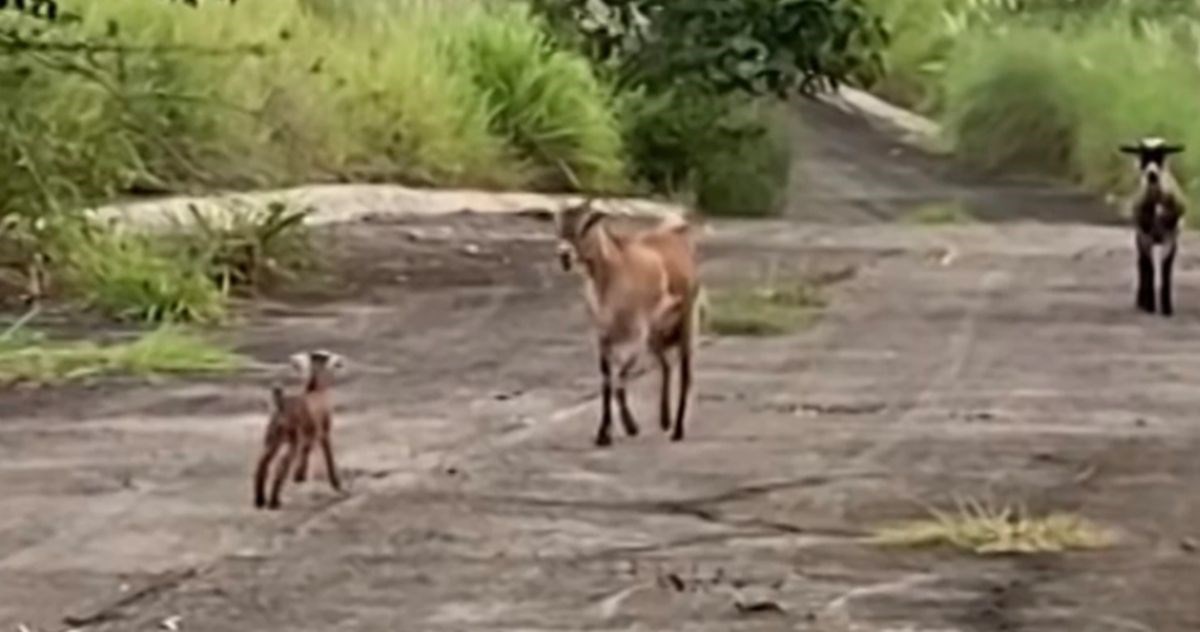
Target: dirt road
{"x": 1000, "y": 359}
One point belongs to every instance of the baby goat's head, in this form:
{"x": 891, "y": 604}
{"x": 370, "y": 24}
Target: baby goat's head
{"x": 316, "y": 368}
{"x": 571, "y": 224}
{"x": 1151, "y": 155}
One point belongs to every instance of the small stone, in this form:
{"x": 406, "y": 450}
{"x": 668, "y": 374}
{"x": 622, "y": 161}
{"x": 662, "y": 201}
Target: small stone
{"x": 1189, "y": 545}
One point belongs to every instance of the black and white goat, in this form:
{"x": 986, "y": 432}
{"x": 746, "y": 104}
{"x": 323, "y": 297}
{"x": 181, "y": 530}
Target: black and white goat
{"x": 1157, "y": 208}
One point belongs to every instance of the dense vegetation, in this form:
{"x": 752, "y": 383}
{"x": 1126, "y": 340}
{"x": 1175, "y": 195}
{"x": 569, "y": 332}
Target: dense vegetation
{"x": 1048, "y": 86}
{"x": 127, "y": 97}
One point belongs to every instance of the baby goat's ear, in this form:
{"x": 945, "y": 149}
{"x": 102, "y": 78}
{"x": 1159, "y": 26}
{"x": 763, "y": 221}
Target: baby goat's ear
{"x": 1173, "y": 149}
{"x": 1130, "y": 149}
{"x": 301, "y": 363}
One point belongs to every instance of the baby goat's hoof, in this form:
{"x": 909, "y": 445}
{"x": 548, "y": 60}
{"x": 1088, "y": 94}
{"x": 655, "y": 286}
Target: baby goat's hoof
{"x": 259, "y": 503}
{"x": 603, "y": 441}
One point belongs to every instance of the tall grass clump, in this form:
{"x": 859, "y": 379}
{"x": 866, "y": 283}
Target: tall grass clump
{"x": 1036, "y": 100}
{"x": 261, "y": 94}
{"x": 545, "y": 103}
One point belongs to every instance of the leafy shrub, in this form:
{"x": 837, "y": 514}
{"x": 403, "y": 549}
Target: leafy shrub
{"x": 726, "y": 151}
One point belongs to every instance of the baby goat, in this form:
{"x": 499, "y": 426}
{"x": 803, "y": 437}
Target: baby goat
{"x": 642, "y": 292}
{"x": 299, "y": 420}
{"x": 1158, "y": 206}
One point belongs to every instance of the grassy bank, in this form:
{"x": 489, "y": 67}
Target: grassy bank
{"x": 264, "y": 94}
{"x": 1049, "y": 87}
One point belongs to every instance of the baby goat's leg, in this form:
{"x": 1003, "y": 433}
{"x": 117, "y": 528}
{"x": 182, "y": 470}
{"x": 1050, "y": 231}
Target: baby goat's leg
{"x": 627, "y": 420}
{"x": 330, "y": 466}
{"x": 270, "y": 448}
{"x": 306, "y": 445}
{"x": 281, "y": 473}
{"x": 1145, "y": 262}
{"x": 604, "y": 433}
{"x": 1166, "y": 269}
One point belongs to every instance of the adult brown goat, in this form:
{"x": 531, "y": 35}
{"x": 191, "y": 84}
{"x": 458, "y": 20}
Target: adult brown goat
{"x": 642, "y": 291}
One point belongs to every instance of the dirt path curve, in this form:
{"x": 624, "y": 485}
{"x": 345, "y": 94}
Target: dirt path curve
{"x": 999, "y": 359}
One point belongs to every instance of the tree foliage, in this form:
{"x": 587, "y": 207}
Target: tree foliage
{"x": 747, "y": 46}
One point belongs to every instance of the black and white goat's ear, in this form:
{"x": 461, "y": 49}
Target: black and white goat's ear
{"x": 1130, "y": 149}
{"x": 1173, "y": 149}
{"x": 335, "y": 362}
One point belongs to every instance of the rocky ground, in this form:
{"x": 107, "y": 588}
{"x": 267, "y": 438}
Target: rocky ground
{"x": 1000, "y": 358}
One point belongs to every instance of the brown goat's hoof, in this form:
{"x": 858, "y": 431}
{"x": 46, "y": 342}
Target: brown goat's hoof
{"x": 273, "y": 505}
{"x": 603, "y": 441}
{"x": 259, "y": 503}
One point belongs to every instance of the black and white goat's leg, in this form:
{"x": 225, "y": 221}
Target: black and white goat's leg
{"x": 1145, "y": 269}
{"x": 1166, "y": 301}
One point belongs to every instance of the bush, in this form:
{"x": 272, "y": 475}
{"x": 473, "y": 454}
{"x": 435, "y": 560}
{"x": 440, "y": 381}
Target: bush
{"x": 726, "y": 151}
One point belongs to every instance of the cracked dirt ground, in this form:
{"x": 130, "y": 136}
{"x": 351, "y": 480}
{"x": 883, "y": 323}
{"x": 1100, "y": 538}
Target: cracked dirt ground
{"x": 990, "y": 358}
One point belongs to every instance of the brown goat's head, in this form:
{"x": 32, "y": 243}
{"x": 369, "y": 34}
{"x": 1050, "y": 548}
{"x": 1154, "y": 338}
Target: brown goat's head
{"x": 570, "y": 225}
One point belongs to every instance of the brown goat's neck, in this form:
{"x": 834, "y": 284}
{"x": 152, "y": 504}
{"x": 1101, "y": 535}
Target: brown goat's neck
{"x": 598, "y": 252}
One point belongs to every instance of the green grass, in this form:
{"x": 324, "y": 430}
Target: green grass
{"x": 412, "y": 91}
{"x": 943, "y": 213}
{"x": 764, "y": 310}
{"x": 1050, "y": 89}
{"x": 130, "y": 277}
{"x": 32, "y": 358}
{"x": 979, "y": 529}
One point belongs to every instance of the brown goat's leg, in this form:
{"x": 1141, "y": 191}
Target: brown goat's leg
{"x": 270, "y": 448}
{"x": 627, "y": 420}
{"x": 330, "y": 466}
{"x": 685, "y": 386}
{"x": 604, "y": 433}
{"x": 664, "y": 399}
{"x": 302, "y": 459}
{"x": 281, "y": 474}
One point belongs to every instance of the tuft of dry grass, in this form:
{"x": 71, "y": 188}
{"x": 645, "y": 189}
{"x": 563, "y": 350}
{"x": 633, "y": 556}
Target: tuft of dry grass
{"x": 764, "y": 310}
{"x": 944, "y": 213}
{"x": 982, "y": 529}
